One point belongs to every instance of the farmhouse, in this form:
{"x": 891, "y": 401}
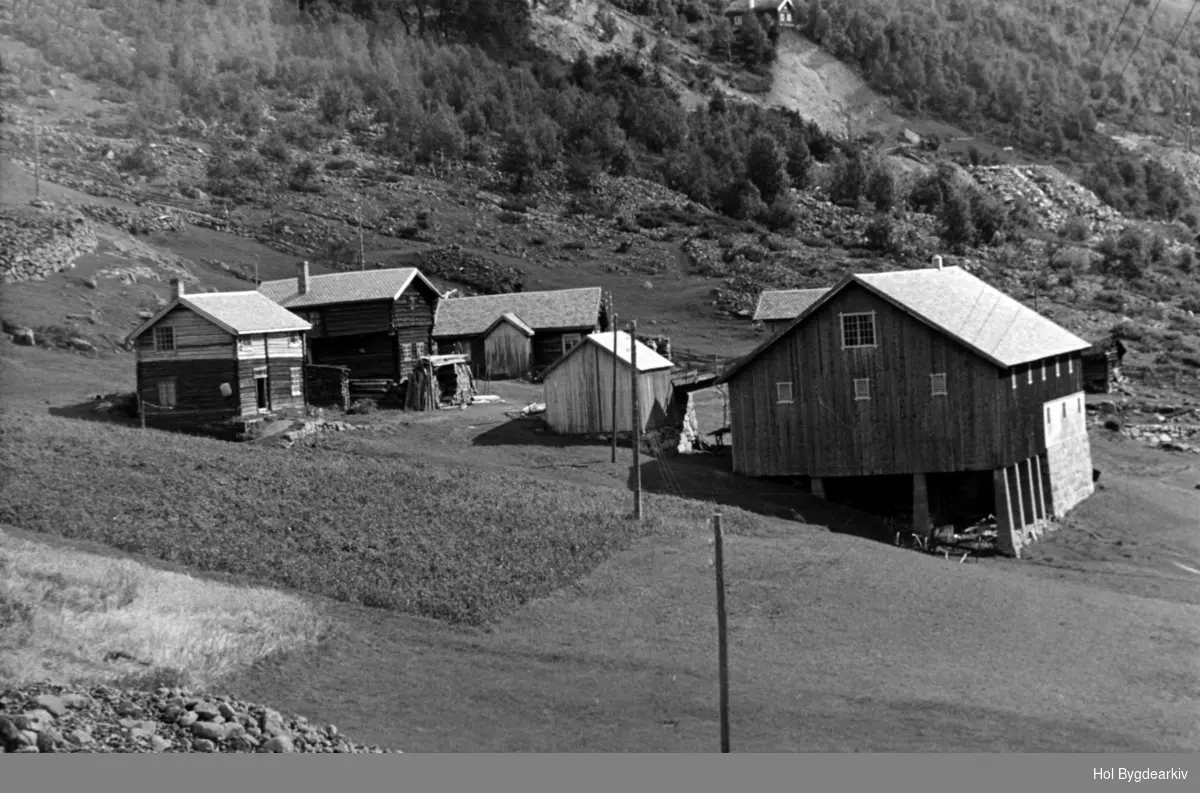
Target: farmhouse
{"x": 377, "y": 323}
{"x": 515, "y": 334}
{"x": 777, "y": 308}
{"x": 579, "y": 387}
{"x": 219, "y": 355}
{"x": 782, "y": 12}
{"x": 928, "y": 384}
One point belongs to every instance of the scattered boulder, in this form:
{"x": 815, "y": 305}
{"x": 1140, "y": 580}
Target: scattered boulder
{"x": 23, "y": 336}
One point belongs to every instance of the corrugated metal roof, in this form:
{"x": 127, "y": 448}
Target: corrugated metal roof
{"x": 513, "y": 319}
{"x": 781, "y": 304}
{"x": 549, "y": 310}
{"x": 352, "y": 287}
{"x": 647, "y": 359}
{"x": 976, "y": 313}
{"x": 960, "y": 305}
{"x": 239, "y": 313}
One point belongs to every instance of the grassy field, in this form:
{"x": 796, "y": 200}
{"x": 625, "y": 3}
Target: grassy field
{"x": 81, "y": 617}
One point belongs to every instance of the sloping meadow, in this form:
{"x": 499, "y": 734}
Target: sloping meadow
{"x": 454, "y": 543}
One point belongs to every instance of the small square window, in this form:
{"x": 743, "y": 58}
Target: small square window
{"x": 164, "y": 339}
{"x": 245, "y": 343}
{"x": 862, "y": 388}
{"x": 293, "y": 339}
{"x": 783, "y": 393}
{"x": 570, "y": 341}
{"x": 858, "y": 330}
{"x": 937, "y": 384}
{"x": 166, "y": 393}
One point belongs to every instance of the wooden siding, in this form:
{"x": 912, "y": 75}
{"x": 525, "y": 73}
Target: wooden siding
{"x": 367, "y": 356}
{"x": 507, "y": 352}
{"x": 408, "y": 350}
{"x": 195, "y": 339}
{"x": 269, "y": 346}
{"x": 415, "y": 308}
{"x": 315, "y": 317}
{"x": 548, "y": 345}
{"x": 197, "y": 387}
{"x": 356, "y": 319}
{"x": 981, "y": 424}
{"x": 578, "y": 395}
{"x": 279, "y": 385}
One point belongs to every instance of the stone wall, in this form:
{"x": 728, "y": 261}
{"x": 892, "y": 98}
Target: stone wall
{"x": 139, "y": 222}
{"x": 38, "y": 242}
{"x": 1070, "y": 472}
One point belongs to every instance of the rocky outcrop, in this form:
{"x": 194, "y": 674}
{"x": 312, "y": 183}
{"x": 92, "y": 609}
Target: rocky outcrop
{"x": 480, "y": 273}
{"x": 36, "y": 242}
{"x": 140, "y": 222}
{"x": 1053, "y": 198}
{"x": 45, "y": 718}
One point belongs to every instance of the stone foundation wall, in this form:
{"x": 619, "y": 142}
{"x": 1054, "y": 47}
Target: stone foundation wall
{"x": 1070, "y": 472}
{"x": 36, "y": 243}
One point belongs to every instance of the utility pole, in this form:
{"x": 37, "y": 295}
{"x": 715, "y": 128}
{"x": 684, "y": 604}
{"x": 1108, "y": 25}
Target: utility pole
{"x": 637, "y": 423}
{"x": 362, "y": 253}
{"x": 37, "y": 163}
{"x": 1187, "y": 115}
{"x": 722, "y": 640}
{"x": 612, "y": 322}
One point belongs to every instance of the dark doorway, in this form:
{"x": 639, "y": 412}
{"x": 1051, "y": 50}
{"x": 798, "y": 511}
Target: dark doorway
{"x": 262, "y": 391}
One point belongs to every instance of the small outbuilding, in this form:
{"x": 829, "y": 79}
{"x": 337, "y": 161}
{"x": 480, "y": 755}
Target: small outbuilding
{"x": 508, "y": 348}
{"x": 579, "y": 387}
{"x": 1102, "y": 365}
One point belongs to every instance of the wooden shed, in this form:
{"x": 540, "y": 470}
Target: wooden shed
{"x": 776, "y": 308}
{"x": 508, "y": 348}
{"x": 579, "y": 387}
{"x": 1102, "y": 365}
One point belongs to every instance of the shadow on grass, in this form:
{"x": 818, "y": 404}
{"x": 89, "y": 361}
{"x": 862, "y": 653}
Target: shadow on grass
{"x": 708, "y": 477}
{"x": 532, "y": 432}
{"x": 86, "y": 411}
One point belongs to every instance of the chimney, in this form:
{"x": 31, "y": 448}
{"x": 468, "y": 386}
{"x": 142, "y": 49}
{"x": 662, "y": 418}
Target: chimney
{"x": 177, "y": 288}
{"x": 937, "y": 262}
{"x": 302, "y": 278}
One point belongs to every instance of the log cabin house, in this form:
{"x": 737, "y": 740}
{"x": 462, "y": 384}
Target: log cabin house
{"x": 377, "y": 323}
{"x": 579, "y": 387}
{"x": 769, "y": 12}
{"x": 777, "y": 308}
{"x": 929, "y": 383}
{"x": 217, "y": 356}
{"x": 1102, "y": 365}
{"x": 506, "y": 330}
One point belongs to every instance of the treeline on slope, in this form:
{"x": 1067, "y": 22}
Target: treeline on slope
{"x": 437, "y": 99}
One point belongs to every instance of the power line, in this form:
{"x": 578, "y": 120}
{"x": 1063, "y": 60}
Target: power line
{"x": 1113, "y": 38}
{"x": 1163, "y": 62}
{"x": 1138, "y": 43}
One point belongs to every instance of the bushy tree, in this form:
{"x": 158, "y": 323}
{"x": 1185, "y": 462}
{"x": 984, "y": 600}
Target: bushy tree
{"x": 766, "y": 167}
{"x": 519, "y": 158}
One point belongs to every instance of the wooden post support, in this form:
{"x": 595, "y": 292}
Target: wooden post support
{"x": 37, "y": 163}
{"x": 921, "y": 525}
{"x": 615, "y": 423}
{"x": 637, "y": 422}
{"x": 817, "y": 487}
{"x": 722, "y": 640}
{"x": 142, "y": 410}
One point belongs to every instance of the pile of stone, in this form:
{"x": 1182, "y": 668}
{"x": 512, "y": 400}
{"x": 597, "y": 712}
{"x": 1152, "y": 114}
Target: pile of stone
{"x": 479, "y": 273}
{"x": 46, "y": 718}
{"x": 1053, "y": 197}
{"x": 140, "y": 222}
{"x": 1168, "y": 427}
{"x": 303, "y": 429}
{"x": 38, "y": 241}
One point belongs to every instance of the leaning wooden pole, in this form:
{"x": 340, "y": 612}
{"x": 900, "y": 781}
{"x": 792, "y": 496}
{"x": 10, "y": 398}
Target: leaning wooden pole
{"x": 37, "y": 163}
{"x": 722, "y": 640}
{"x": 615, "y": 376}
{"x": 637, "y": 422}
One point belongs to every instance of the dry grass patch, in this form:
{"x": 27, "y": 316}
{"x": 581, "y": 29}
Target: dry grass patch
{"x": 76, "y": 617}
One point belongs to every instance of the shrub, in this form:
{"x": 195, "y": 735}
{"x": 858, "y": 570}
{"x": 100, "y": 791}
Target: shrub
{"x": 1187, "y": 260}
{"x": 338, "y": 100}
{"x": 275, "y": 148}
{"x": 782, "y": 215}
{"x": 881, "y": 188}
{"x": 303, "y": 178}
{"x": 139, "y": 161}
{"x": 880, "y": 233}
{"x": 362, "y": 407}
{"x": 341, "y": 165}
{"x": 304, "y": 132}
{"x": 1075, "y": 229}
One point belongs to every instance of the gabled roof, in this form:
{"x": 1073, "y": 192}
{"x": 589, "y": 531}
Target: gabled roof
{"x": 239, "y": 313}
{"x": 352, "y": 287}
{"x": 963, "y": 307}
{"x": 742, "y": 6}
{"x": 559, "y": 309}
{"x": 511, "y": 319}
{"x": 782, "y": 304}
{"x": 647, "y": 359}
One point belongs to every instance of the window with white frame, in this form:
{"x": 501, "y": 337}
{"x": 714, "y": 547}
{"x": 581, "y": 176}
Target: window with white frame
{"x": 570, "y": 341}
{"x": 1014, "y": 379}
{"x": 858, "y": 330}
{"x": 293, "y": 339}
{"x": 783, "y": 393}
{"x": 245, "y": 343}
{"x": 1070, "y": 366}
{"x": 1043, "y": 371}
{"x": 164, "y": 338}
{"x": 297, "y": 381}
{"x": 862, "y": 388}
{"x": 937, "y": 384}
{"x": 1057, "y": 367}
{"x": 1029, "y": 375}
{"x": 166, "y": 393}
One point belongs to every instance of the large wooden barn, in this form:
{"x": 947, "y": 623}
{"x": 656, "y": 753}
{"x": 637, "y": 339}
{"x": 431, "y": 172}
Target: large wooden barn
{"x": 504, "y": 330}
{"x": 219, "y": 355}
{"x": 928, "y": 384}
{"x": 778, "y": 307}
{"x": 378, "y": 323}
{"x": 579, "y": 387}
